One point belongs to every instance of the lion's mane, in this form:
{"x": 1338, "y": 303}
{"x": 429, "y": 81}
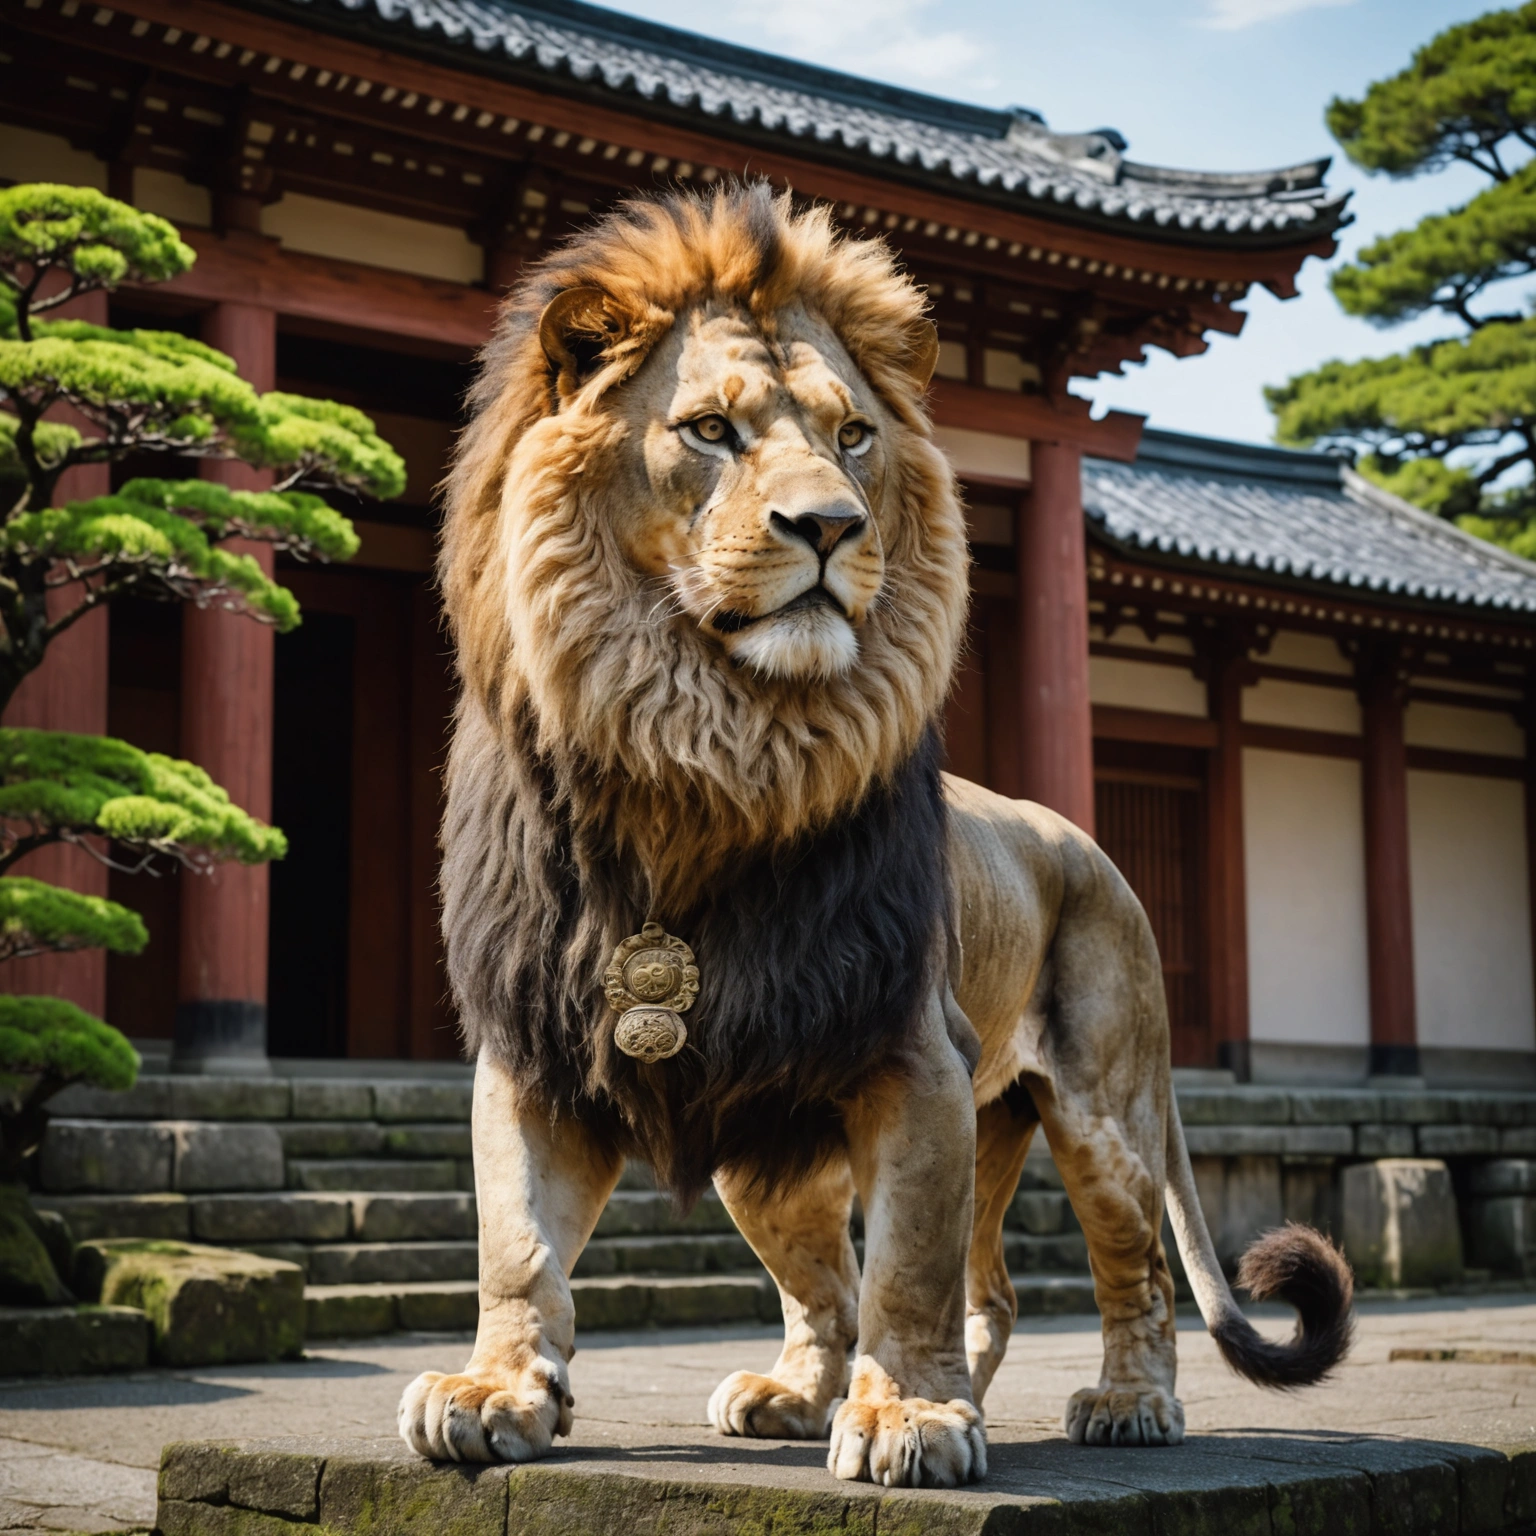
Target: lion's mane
{"x": 610, "y": 764}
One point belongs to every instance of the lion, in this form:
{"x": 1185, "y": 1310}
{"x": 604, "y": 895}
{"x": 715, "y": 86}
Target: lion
{"x": 707, "y": 578}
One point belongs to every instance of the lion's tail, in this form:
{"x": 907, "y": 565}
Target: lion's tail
{"x": 1293, "y": 1263}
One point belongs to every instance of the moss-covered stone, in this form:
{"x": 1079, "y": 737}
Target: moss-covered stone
{"x": 367, "y": 1496}
{"x": 70, "y": 1341}
{"x": 207, "y": 1306}
{"x": 28, "y": 1273}
{"x": 349, "y": 1311}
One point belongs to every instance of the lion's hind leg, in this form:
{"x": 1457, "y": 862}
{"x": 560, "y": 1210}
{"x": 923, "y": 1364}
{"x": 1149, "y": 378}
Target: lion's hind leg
{"x": 1004, "y": 1129}
{"x": 802, "y": 1237}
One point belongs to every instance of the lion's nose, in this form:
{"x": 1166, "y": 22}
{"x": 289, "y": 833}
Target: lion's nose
{"x": 823, "y": 529}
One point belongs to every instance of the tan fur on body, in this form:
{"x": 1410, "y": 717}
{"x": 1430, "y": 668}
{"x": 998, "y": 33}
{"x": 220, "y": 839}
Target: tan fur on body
{"x": 707, "y": 574}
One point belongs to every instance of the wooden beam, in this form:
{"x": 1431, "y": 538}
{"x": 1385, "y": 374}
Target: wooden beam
{"x": 1114, "y": 436}
{"x": 298, "y": 44}
{"x": 1114, "y": 722}
{"x": 251, "y": 269}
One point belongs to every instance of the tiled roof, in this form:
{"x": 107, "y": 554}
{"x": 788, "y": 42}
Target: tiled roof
{"x": 1009, "y": 157}
{"x": 1305, "y": 518}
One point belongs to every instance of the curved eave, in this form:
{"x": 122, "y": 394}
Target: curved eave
{"x": 1214, "y": 568}
{"x": 404, "y": 38}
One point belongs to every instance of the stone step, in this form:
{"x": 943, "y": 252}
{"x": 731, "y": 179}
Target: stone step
{"x": 659, "y": 1301}
{"x": 1042, "y": 1212}
{"x": 632, "y": 1212}
{"x": 370, "y": 1263}
{"x": 394, "y": 1175}
{"x": 1025, "y": 1253}
{"x": 694, "y": 1253}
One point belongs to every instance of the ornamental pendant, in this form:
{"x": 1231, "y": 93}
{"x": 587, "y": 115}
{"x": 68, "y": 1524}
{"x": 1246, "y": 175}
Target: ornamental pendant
{"x": 651, "y": 982}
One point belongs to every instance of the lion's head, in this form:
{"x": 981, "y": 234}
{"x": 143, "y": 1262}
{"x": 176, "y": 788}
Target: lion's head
{"x": 698, "y": 531}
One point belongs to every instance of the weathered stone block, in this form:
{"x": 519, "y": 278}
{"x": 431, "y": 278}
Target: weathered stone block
{"x": 367, "y": 1263}
{"x": 157, "y": 1215}
{"x": 1310, "y": 1194}
{"x": 1235, "y": 1140}
{"x": 330, "y": 1138}
{"x": 390, "y": 1498}
{"x": 349, "y": 1312}
{"x": 1384, "y": 1140}
{"x": 230, "y": 1098}
{"x": 1507, "y": 1176}
{"x": 421, "y": 1101}
{"x": 211, "y": 1155}
{"x": 1333, "y": 1106}
{"x": 1399, "y": 1223}
{"x": 323, "y": 1099}
{"x": 1458, "y": 1141}
{"x": 277, "y": 1484}
{"x": 68, "y": 1341}
{"x": 450, "y": 1140}
{"x": 1517, "y": 1140}
{"x": 1318, "y": 1140}
{"x": 1503, "y": 1234}
{"x": 1241, "y": 1197}
{"x": 1233, "y": 1106}
{"x": 108, "y": 1155}
{"x": 1043, "y": 1212}
{"x": 207, "y": 1306}
{"x": 1408, "y": 1106}
{"x": 148, "y": 1099}
{"x": 395, "y": 1218}
{"x": 449, "y": 1307}
{"x": 348, "y": 1174}
{"x": 271, "y": 1218}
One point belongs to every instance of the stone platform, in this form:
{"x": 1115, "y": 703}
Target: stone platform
{"x": 1443, "y": 1445}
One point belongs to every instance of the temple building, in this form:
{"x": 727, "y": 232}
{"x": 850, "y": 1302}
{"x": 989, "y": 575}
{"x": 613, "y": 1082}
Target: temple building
{"x": 1293, "y": 708}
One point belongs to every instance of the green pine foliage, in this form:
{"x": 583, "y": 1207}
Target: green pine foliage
{"x": 137, "y": 392}
{"x": 56, "y": 786}
{"x": 1451, "y": 426}
{"x": 37, "y": 918}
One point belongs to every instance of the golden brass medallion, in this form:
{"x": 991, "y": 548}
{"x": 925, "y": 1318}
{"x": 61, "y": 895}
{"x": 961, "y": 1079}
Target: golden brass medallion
{"x": 651, "y": 982}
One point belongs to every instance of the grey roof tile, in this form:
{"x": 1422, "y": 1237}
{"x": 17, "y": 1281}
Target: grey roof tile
{"x": 1301, "y": 517}
{"x": 1011, "y": 153}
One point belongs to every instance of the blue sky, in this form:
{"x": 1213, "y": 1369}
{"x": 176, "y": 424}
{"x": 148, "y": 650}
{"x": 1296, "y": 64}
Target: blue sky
{"x": 1205, "y": 84}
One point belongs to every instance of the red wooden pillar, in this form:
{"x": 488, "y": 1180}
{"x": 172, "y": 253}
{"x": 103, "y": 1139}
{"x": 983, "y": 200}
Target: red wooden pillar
{"x": 1055, "y": 718}
{"x": 1226, "y": 867}
{"x": 69, "y": 693}
{"x": 1388, "y": 887}
{"x": 226, "y": 728}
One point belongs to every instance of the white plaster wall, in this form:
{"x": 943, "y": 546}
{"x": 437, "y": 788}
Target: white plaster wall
{"x": 1317, "y": 653}
{"x": 1471, "y": 912}
{"x": 985, "y": 453}
{"x": 172, "y": 197}
{"x": 324, "y": 228}
{"x": 1462, "y": 730}
{"x": 1142, "y": 685}
{"x": 1305, "y": 857}
{"x": 26, "y": 155}
{"x": 1272, "y": 702}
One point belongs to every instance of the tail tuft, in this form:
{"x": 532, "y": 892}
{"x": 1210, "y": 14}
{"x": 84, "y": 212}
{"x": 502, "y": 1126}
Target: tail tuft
{"x": 1300, "y": 1267}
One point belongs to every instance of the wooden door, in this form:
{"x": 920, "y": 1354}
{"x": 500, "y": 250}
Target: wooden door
{"x": 1150, "y": 824}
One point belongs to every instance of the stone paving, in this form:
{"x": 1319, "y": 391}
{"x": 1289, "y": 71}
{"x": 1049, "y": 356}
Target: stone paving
{"x": 82, "y": 1454}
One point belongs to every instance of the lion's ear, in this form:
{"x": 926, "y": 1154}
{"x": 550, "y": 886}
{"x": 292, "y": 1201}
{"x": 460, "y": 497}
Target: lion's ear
{"x": 576, "y": 328}
{"x": 925, "y": 353}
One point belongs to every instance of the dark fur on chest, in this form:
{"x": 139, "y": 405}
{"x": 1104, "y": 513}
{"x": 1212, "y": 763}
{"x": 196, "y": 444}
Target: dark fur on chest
{"x": 813, "y": 961}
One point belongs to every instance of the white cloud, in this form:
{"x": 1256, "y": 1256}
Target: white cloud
{"x": 883, "y": 38}
{"x": 1233, "y": 15}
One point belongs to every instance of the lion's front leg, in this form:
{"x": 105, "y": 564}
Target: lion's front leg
{"x": 540, "y": 1189}
{"x": 802, "y": 1237}
{"x": 909, "y": 1419}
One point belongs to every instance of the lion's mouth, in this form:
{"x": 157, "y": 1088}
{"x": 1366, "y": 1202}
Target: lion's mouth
{"x": 731, "y": 622}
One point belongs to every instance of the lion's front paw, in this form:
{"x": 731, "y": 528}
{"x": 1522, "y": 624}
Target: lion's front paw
{"x": 908, "y": 1443}
{"x": 1124, "y": 1416}
{"x": 494, "y": 1415}
{"x": 748, "y": 1404}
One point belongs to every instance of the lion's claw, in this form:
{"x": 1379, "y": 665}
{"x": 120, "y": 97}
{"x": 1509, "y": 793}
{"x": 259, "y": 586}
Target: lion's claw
{"x": 908, "y": 1443}
{"x": 1124, "y": 1416}
{"x": 748, "y": 1404}
{"x": 489, "y": 1416}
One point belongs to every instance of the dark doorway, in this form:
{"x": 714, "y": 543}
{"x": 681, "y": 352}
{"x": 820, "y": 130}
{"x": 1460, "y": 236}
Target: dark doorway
{"x": 1150, "y": 821}
{"x": 312, "y": 803}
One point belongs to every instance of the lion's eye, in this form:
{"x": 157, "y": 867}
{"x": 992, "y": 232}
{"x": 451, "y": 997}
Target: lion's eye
{"x": 712, "y": 429}
{"x": 855, "y": 437}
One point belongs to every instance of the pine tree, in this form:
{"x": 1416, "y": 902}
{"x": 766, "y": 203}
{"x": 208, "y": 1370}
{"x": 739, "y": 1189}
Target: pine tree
{"x": 138, "y": 391}
{"x": 1443, "y": 424}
